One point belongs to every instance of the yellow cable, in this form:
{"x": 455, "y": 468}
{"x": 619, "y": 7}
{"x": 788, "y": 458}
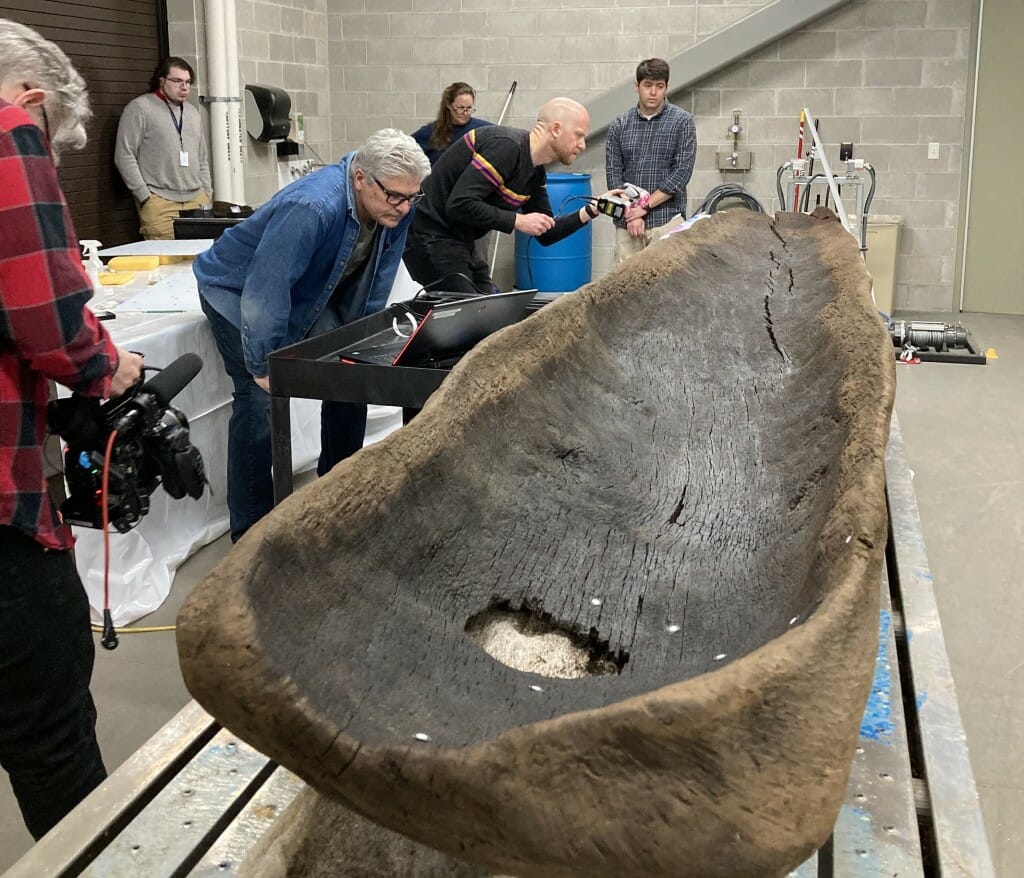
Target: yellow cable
{"x": 150, "y": 630}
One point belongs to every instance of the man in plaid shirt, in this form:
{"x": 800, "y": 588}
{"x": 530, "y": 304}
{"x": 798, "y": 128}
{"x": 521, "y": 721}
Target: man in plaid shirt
{"x": 651, "y": 145}
{"x": 47, "y": 717}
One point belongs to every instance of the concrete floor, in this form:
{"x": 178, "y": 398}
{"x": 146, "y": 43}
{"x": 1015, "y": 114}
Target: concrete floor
{"x": 964, "y": 437}
{"x": 137, "y": 688}
{"x": 963, "y": 427}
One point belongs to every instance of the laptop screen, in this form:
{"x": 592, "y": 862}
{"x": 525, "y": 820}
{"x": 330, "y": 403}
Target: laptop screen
{"x": 447, "y": 331}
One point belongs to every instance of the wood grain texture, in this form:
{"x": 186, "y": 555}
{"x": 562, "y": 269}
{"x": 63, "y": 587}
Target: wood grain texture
{"x": 694, "y": 443}
{"x": 114, "y": 45}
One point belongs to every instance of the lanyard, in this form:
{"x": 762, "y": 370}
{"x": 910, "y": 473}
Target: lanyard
{"x": 179, "y": 122}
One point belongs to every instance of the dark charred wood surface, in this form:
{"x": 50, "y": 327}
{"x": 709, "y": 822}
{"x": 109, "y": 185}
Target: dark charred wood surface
{"x": 682, "y": 465}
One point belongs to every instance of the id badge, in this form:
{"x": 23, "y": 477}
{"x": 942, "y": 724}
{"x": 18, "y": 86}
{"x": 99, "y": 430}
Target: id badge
{"x": 183, "y": 158}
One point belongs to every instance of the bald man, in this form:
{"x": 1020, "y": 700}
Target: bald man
{"x": 494, "y": 178}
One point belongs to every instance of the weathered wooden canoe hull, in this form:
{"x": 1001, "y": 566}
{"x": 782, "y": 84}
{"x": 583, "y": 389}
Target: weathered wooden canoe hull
{"x": 682, "y": 461}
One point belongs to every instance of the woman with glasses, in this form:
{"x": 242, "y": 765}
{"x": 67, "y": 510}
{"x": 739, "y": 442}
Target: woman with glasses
{"x": 161, "y": 151}
{"x": 454, "y": 119}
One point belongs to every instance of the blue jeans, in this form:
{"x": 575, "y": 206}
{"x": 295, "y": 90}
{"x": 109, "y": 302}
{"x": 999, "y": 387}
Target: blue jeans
{"x": 47, "y": 716}
{"x": 250, "y": 479}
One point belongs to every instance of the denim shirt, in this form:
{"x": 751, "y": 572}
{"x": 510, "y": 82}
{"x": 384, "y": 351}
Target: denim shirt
{"x": 272, "y": 274}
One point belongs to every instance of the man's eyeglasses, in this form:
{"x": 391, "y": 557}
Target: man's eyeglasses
{"x": 396, "y": 199}
{"x": 177, "y": 81}
{"x": 464, "y": 111}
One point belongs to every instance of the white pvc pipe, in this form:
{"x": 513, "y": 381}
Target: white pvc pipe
{"x": 501, "y": 118}
{"x": 216, "y": 71}
{"x": 234, "y": 111}
{"x": 970, "y": 159}
{"x": 819, "y": 153}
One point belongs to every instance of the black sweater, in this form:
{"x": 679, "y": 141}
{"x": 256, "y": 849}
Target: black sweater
{"x": 480, "y": 182}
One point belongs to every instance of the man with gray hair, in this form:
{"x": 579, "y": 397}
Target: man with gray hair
{"x": 47, "y": 717}
{"x": 322, "y": 252}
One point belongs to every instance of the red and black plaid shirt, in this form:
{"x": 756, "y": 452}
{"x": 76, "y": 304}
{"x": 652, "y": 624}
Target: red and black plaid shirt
{"x": 45, "y": 329}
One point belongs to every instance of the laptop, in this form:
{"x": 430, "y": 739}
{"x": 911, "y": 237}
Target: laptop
{"x": 446, "y": 332}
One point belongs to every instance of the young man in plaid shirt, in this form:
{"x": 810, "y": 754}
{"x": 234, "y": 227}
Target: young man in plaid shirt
{"x": 47, "y": 717}
{"x": 651, "y": 145}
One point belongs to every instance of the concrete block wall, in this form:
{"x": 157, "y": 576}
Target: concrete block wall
{"x": 285, "y": 44}
{"x": 892, "y": 77}
{"x": 889, "y": 75}
{"x": 279, "y": 44}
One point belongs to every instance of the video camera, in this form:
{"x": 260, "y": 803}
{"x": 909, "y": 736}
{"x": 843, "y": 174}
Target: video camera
{"x": 151, "y": 446}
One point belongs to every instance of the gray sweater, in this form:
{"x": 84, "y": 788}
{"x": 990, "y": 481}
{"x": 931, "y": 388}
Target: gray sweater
{"x": 147, "y": 150}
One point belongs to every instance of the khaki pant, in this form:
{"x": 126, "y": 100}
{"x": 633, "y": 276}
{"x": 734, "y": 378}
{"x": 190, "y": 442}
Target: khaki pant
{"x": 156, "y": 215}
{"x": 626, "y": 245}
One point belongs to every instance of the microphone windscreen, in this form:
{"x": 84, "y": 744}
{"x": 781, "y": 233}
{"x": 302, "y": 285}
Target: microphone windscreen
{"x": 171, "y": 380}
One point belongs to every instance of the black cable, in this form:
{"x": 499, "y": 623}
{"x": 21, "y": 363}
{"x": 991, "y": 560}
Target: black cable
{"x": 815, "y": 139}
{"x": 456, "y": 294}
{"x": 867, "y": 207}
{"x": 322, "y": 165}
{"x": 587, "y": 199}
{"x": 778, "y": 184}
{"x": 805, "y": 196}
{"x": 529, "y": 265}
{"x": 731, "y": 191}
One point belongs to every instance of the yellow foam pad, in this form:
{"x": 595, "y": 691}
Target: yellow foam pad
{"x": 171, "y": 260}
{"x": 134, "y": 263}
{"x": 115, "y": 278}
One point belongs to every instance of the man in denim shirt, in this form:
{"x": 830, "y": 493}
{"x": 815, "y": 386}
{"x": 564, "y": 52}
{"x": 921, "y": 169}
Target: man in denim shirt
{"x": 322, "y": 252}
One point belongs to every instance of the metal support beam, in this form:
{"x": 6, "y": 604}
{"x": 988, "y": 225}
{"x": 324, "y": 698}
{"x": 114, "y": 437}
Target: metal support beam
{"x": 731, "y": 44}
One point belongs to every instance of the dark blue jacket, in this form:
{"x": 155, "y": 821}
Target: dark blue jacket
{"x": 423, "y": 134}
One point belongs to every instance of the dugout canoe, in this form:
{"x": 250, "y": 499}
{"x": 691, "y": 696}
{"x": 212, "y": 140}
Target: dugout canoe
{"x": 677, "y": 470}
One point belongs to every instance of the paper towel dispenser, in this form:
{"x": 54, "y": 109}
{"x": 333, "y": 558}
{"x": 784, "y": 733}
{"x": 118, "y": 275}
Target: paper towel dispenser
{"x": 267, "y": 110}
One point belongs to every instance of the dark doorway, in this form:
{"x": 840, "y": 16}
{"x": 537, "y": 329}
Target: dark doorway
{"x": 114, "y": 44}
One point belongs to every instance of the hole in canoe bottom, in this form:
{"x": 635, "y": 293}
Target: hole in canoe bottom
{"x": 530, "y": 640}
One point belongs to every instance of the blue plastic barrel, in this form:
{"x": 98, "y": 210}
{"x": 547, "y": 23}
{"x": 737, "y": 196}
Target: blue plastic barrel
{"x": 565, "y": 266}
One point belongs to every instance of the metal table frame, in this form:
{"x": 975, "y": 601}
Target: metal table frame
{"x": 312, "y": 369}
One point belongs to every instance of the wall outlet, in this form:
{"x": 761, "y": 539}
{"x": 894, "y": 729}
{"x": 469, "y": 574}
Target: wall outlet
{"x": 933, "y": 150}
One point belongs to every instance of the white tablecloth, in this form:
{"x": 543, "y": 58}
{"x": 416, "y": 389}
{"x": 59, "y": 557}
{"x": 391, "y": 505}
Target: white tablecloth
{"x": 143, "y": 561}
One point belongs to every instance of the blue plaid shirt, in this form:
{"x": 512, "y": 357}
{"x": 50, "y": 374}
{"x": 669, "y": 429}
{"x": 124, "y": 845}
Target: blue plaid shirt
{"x": 655, "y": 153}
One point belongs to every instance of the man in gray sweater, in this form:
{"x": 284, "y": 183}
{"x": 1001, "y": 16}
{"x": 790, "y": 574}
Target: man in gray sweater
{"x": 161, "y": 151}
